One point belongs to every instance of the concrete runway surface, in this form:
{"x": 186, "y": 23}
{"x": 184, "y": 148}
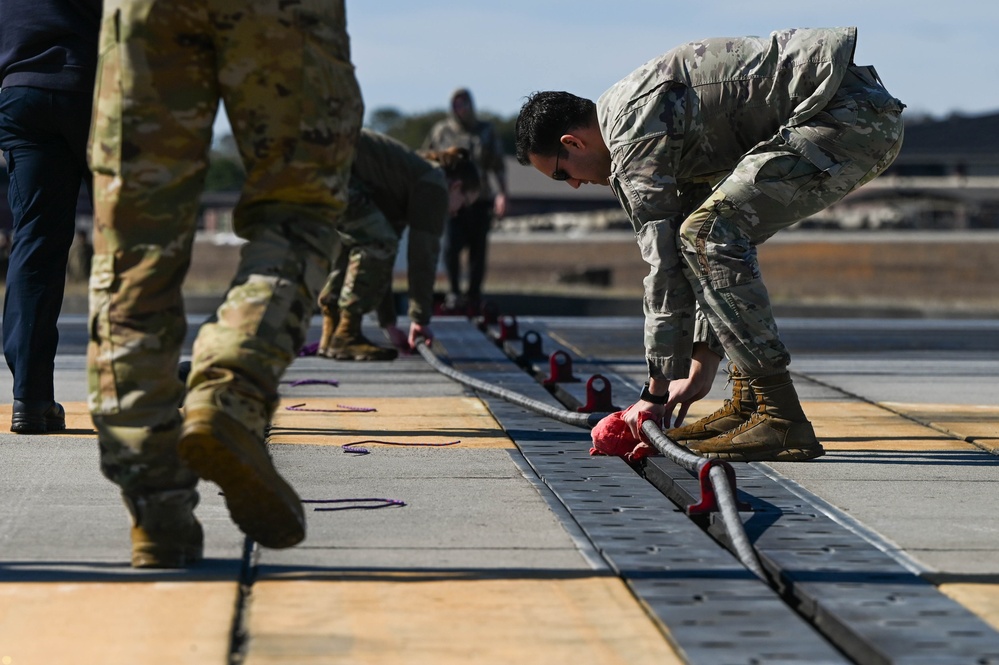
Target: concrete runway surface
{"x": 515, "y": 545}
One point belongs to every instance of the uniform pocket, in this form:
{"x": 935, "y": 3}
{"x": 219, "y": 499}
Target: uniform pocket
{"x": 784, "y": 177}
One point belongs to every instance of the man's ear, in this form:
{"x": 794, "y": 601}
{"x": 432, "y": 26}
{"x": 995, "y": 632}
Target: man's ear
{"x": 583, "y": 137}
{"x": 573, "y": 141}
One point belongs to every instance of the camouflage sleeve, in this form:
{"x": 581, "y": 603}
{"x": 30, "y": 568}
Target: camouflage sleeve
{"x": 651, "y": 197}
{"x": 427, "y": 213}
{"x": 668, "y": 304}
{"x": 492, "y": 167}
{"x": 497, "y": 163}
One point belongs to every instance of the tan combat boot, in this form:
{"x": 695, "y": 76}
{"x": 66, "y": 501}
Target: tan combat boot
{"x": 331, "y": 317}
{"x": 349, "y": 344}
{"x": 732, "y": 413}
{"x": 165, "y": 532}
{"x": 777, "y": 431}
{"x": 219, "y": 448}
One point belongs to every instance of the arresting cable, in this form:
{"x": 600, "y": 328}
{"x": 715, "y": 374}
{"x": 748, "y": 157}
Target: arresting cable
{"x": 717, "y": 478}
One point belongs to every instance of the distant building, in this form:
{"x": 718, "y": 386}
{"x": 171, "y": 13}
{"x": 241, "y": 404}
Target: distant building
{"x": 958, "y": 146}
{"x": 946, "y": 177}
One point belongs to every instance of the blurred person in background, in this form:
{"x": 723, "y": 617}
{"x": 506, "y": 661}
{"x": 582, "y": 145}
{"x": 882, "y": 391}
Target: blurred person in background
{"x": 469, "y": 229}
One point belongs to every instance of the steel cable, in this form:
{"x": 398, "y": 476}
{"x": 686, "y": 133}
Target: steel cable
{"x": 668, "y": 448}
{"x": 723, "y": 493}
{"x": 586, "y": 420}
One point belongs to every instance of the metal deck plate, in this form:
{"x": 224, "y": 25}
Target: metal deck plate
{"x": 710, "y": 606}
{"x": 870, "y": 605}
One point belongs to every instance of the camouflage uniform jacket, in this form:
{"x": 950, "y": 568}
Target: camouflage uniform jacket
{"x": 410, "y": 191}
{"x": 682, "y": 121}
{"x": 482, "y": 142}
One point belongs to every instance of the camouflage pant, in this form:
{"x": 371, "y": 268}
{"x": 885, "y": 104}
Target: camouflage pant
{"x": 802, "y": 170}
{"x": 284, "y": 72}
{"x": 362, "y": 269}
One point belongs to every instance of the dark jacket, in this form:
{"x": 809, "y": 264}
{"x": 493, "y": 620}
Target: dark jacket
{"x": 49, "y": 44}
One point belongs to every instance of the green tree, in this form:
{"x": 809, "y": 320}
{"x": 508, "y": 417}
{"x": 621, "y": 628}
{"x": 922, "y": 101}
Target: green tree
{"x": 225, "y": 168}
{"x": 409, "y": 129}
{"x": 413, "y": 129}
{"x": 226, "y": 172}
{"x": 506, "y": 128}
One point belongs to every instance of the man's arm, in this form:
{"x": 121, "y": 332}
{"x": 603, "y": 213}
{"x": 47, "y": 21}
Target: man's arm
{"x": 669, "y": 328}
{"x": 661, "y": 396}
{"x": 493, "y": 166}
{"x": 426, "y": 213}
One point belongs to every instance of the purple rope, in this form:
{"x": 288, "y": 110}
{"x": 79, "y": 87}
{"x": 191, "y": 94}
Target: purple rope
{"x": 357, "y": 450}
{"x": 384, "y": 503}
{"x": 309, "y": 350}
{"x": 379, "y": 503}
{"x": 312, "y": 382}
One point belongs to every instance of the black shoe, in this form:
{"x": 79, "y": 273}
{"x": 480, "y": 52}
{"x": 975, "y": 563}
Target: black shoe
{"x": 32, "y": 416}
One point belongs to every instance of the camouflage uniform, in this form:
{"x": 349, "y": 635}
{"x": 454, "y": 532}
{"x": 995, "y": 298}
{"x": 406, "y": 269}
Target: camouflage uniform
{"x": 391, "y": 188}
{"x": 717, "y": 145}
{"x": 285, "y": 74}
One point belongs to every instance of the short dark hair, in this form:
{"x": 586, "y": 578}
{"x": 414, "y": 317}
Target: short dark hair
{"x": 544, "y": 117}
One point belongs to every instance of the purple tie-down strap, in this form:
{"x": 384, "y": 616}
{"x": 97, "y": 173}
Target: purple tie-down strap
{"x": 376, "y": 503}
{"x": 312, "y": 382}
{"x": 341, "y": 408}
{"x": 357, "y": 450}
{"x": 309, "y": 350}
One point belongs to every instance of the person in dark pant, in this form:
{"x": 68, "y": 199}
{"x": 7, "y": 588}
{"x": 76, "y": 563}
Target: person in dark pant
{"x": 468, "y": 229}
{"x": 462, "y": 128}
{"x": 48, "y": 59}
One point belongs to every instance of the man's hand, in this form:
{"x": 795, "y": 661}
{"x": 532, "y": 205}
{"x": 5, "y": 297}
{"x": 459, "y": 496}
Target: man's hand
{"x": 684, "y": 392}
{"x": 499, "y": 205}
{"x": 681, "y": 392}
{"x": 416, "y": 331}
{"x": 656, "y": 413}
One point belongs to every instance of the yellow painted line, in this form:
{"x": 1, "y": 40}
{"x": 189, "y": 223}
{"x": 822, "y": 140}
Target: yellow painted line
{"x": 78, "y": 421}
{"x": 432, "y": 621}
{"x": 863, "y": 426}
{"x": 119, "y": 623}
{"x": 396, "y": 419}
{"x": 981, "y": 599}
{"x": 838, "y": 425}
{"x": 977, "y": 423}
